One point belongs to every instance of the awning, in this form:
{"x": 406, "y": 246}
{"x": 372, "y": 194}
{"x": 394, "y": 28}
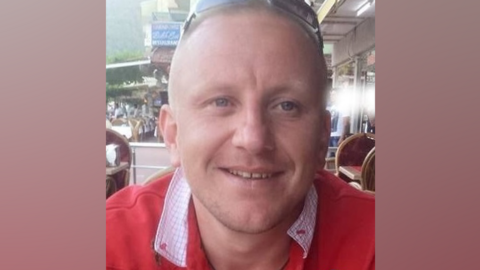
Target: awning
{"x": 128, "y": 64}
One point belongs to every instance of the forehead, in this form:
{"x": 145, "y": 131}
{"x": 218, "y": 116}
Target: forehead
{"x": 227, "y": 35}
{"x": 250, "y": 19}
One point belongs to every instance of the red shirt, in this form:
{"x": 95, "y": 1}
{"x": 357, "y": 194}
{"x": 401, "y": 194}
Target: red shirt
{"x": 344, "y": 237}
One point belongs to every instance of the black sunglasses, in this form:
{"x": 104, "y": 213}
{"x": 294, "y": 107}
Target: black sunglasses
{"x": 300, "y": 10}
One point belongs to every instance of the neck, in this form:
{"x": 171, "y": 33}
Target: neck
{"x": 233, "y": 250}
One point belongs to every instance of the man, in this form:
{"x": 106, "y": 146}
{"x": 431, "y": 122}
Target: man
{"x": 136, "y": 111}
{"x": 340, "y": 118}
{"x": 247, "y": 129}
{"x": 119, "y": 111}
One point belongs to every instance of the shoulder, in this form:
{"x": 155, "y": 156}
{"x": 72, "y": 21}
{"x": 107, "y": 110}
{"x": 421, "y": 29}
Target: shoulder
{"x": 132, "y": 216}
{"x": 334, "y": 188}
{"x": 138, "y": 200}
{"x": 336, "y": 197}
{"x": 345, "y": 223}
{"x": 137, "y": 196}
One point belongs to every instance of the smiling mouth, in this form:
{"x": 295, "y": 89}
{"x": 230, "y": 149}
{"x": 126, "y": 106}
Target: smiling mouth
{"x": 249, "y": 175}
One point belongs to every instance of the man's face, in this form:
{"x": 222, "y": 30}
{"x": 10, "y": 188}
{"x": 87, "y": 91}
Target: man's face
{"x": 247, "y": 124}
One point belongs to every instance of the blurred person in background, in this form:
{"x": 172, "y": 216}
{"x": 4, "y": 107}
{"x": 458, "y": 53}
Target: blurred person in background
{"x": 340, "y": 117}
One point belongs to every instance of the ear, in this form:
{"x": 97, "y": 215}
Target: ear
{"x": 325, "y": 127}
{"x": 168, "y": 127}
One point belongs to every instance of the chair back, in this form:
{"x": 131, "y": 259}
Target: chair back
{"x": 119, "y": 122}
{"x": 137, "y": 129}
{"x": 122, "y": 178}
{"x": 353, "y": 150}
{"x": 111, "y": 186}
{"x": 119, "y": 139}
{"x": 368, "y": 171}
{"x": 330, "y": 164}
{"x": 159, "y": 174}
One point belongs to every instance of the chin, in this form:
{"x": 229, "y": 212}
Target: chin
{"x": 251, "y": 221}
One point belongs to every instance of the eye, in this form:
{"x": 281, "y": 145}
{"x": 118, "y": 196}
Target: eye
{"x": 288, "y": 106}
{"x": 221, "y": 102}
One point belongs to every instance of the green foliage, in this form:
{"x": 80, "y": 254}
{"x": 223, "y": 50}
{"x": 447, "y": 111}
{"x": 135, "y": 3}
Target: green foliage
{"x": 125, "y": 56}
{"x": 114, "y": 93}
{"x": 133, "y": 100}
{"x": 117, "y": 77}
{"x": 122, "y": 75}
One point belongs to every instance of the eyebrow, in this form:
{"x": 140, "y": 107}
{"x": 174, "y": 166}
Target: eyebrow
{"x": 206, "y": 89}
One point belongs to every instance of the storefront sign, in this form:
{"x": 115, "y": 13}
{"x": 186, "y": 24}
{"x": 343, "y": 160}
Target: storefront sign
{"x": 165, "y": 33}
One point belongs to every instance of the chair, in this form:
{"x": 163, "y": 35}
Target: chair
{"x": 352, "y": 151}
{"x": 119, "y": 122}
{"x": 158, "y": 175}
{"x": 122, "y": 122}
{"x": 140, "y": 129}
{"x": 111, "y": 186}
{"x": 368, "y": 171}
{"x": 122, "y": 178}
{"x": 355, "y": 185}
{"x": 135, "y": 126}
{"x": 330, "y": 164}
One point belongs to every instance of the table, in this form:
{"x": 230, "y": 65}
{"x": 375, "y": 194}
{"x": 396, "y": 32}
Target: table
{"x": 114, "y": 170}
{"x": 124, "y": 130}
{"x": 352, "y": 172}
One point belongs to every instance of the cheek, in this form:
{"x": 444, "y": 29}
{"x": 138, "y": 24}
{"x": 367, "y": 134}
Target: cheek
{"x": 308, "y": 135}
{"x": 199, "y": 138}
{"x": 307, "y": 144}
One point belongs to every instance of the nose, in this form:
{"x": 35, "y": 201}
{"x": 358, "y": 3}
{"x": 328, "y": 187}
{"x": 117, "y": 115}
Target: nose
{"x": 253, "y": 132}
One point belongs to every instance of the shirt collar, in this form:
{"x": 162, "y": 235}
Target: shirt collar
{"x": 172, "y": 231}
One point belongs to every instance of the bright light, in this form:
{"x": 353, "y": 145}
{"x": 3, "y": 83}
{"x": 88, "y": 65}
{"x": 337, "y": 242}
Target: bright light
{"x": 363, "y": 8}
{"x": 370, "y": 100}
{"x": 345, "y": 99}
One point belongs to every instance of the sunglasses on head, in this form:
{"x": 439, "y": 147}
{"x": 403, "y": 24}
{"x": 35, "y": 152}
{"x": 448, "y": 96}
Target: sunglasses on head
{"x": 298, "y": 9}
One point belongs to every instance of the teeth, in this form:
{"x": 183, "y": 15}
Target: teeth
{"x": 251, "y": 175}
{"x": 246, "y": 175}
